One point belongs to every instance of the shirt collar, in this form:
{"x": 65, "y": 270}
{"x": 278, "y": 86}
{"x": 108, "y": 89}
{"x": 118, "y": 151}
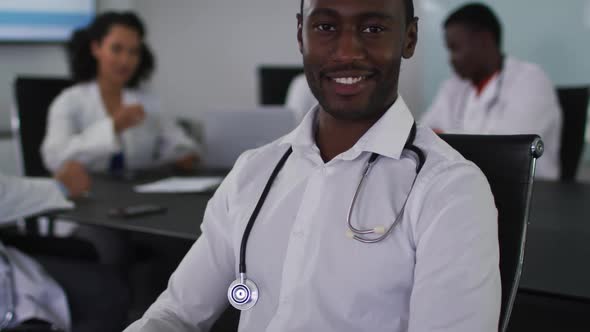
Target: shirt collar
{"x": 386, "y": 137}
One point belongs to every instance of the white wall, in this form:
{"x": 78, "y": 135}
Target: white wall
{"x": 208, "y": 51}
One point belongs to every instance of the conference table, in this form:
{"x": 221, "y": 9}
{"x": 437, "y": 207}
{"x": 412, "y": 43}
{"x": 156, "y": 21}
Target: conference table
{"x": 182, "y": 218}
{"x": 557, "y": 256}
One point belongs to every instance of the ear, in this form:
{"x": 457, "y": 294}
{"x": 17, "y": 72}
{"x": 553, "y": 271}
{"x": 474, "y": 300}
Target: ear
{"x": 300, "y": 32}
{"x": 487, "y": 41}
{"x": 411, "y": 39}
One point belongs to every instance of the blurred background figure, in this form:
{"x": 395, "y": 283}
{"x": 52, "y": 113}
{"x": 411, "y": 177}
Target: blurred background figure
{"x": 299, "y": 97}
{"x": 104, "y": 121}
{"x": 491, "y": 93}
{"x": 51, "y": 293}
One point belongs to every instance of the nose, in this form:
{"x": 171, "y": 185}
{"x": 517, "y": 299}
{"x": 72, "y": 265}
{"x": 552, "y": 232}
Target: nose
{"x": 349, "y": 46}
{"x": 126, "y": 58}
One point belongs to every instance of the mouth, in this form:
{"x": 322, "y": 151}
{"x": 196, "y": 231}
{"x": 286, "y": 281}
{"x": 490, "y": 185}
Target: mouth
{"x": 348, "y": 83}
{"x": 349, "y": 80}
{"x": 123, "y": 71}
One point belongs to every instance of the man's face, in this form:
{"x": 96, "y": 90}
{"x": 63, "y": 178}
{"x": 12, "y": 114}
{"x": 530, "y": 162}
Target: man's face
{"x": 464, "y": 50}
{"x": 352, "y": 52}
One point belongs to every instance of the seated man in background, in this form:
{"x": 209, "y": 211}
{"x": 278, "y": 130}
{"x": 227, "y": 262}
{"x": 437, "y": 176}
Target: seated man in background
{"x": 53, "y": 293}
{"x": 492, "y": 93}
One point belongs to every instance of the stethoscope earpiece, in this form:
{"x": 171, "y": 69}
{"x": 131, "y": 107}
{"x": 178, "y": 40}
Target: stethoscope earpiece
{"x": 242, "y": 293}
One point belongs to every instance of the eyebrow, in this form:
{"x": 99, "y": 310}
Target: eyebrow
{"x": 323, "y": 11}
{"x": 363, "y": 16}
{"x": 377, "y": 15}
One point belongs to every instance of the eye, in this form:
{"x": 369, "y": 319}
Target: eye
{"x": 325, "y": 27}
{"x": 116, "y": 48}
{"x": 373, "y": 29}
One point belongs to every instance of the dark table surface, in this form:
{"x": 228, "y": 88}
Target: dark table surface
{"x": 557, "y": 257}
{"x": 182, "y": 218}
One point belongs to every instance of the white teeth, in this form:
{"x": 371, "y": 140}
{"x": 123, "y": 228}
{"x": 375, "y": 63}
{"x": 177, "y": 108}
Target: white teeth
{"x": 348, "y": 80}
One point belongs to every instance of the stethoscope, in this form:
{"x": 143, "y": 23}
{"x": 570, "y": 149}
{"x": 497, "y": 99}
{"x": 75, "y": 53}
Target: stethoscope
{"x": 243, "y": 292}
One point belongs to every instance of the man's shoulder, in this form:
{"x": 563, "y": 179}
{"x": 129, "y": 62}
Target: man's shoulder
{"x": 524, "y": 70}
{"x": 266, "y": 156}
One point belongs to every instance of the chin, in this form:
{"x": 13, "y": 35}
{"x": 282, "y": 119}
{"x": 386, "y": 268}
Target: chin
{"x": 348, "y": 113}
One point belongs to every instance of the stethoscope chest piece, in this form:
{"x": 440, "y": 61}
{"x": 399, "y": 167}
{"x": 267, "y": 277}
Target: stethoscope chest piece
{"x": 242, "y": 293}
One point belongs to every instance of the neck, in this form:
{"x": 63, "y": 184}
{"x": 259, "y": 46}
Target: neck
{"x": 108, "y": 89}
{"x": 493, "y": 66}
{"x": 111, "y": 94}
{"x": 335, "y": 136}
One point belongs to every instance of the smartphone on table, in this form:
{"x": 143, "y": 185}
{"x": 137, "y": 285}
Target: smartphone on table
{"x": 136, "y": 211}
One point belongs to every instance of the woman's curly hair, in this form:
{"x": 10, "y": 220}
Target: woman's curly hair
{"x": 83, "y": 65}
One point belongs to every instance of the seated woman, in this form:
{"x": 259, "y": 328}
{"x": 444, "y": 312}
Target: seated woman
{"x": 104, "y": 121}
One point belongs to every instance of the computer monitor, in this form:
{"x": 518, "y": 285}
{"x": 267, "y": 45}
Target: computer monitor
{"x": 274, "y": 83}
{"x": 228, "y": 133}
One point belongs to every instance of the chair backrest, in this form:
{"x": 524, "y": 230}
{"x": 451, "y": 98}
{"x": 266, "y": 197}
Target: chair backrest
{"x": 508, "y": 162}
{"x": 33, "y": 95}
{"x": 574, "y": 108}
{"x": 274, "y": 83}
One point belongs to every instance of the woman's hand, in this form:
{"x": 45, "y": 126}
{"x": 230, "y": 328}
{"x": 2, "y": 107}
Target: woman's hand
{"x": 187, "y": 163}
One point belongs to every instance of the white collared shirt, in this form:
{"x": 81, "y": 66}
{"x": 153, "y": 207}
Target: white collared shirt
{"x": 80, "y": 128}
{"x": 437, "y": 270}
{"x": 519, "y": 100}
{"x": 35, "y": 293}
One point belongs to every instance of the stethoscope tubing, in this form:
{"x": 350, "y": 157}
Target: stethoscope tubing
{"x": 261, "y": 200}
{"x": 243, "y": 292}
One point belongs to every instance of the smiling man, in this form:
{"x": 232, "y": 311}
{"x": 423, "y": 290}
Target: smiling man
{"x": 357, "y": 220}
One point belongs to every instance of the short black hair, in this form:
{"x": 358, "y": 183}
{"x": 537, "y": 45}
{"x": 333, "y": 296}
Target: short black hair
{"x": 409, "y": 4}
{"x": 83, "y": 65}
{"x": 477, "y": 17}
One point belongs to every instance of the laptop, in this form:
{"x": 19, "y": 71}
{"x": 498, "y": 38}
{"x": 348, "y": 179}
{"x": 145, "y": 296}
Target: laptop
{"x": 228, "y": 133}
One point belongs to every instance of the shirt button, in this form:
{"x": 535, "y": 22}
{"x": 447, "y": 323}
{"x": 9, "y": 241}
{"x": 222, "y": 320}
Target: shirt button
{"x": 298, "y": 233}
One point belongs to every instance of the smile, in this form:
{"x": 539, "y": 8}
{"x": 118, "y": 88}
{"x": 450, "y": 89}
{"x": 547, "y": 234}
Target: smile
{"x": 348, "y": 80}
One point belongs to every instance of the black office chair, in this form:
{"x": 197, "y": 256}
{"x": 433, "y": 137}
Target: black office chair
{"x": 274, "y": 83}
{"x": 574, "y": 108}
{"x": 508, "y": 162}
{"x": 33, "y": 96}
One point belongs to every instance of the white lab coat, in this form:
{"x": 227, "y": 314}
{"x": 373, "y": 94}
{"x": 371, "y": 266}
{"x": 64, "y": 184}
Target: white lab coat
{"x": 37, "y": 295}
{"x": 519, "y": 100}
{"x": 79, "y": 128}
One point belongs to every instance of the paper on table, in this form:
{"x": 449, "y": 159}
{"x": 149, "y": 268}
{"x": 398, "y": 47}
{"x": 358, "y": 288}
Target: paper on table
{"x": 180, "y": 185}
